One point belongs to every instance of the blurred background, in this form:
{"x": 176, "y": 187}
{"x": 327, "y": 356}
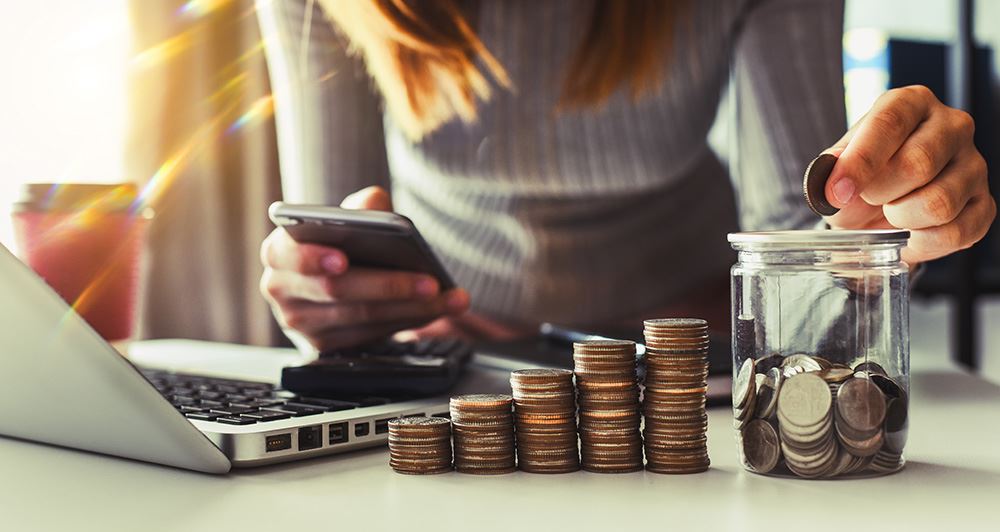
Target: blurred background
{"x": 174, "y": 96}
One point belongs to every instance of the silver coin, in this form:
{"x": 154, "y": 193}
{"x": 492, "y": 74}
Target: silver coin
{"x": 861, "y": 405}
{"x": 804, "y": 400}
{"x": 761, "y": 446}
{"x": 803, "y": 362}
{"x": 744, "y": 384}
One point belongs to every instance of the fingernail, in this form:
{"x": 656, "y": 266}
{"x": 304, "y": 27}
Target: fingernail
{"x": 843, "y": 190}
{"x": 426, "y": 286}
{"x": 333, "y": 263}
{"x": 456, "y": 300}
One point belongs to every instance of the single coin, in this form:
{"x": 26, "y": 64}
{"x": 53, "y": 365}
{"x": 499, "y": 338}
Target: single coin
{"x": 421, "y": 421}
{"x": 674, "y": 323}
{"x": 604, "y": 345}
{"x": 801, "y": 361}
{"x": 480, "y": 401}
{"x": 765, "y": 364}
{"x": 814, "y": 184}
{"x": 870, "y": 367}
{"x": 804, "y": 400}
{"x": 761, "y": 446}
{"x": 861, "y": 404}
{"x": 835, "y": 375}
{"x": 744, "y": 385}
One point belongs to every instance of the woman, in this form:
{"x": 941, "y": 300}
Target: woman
{"x": 555, "y": 155}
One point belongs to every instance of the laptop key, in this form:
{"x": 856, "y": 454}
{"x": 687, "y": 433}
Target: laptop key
{"x": 232, "y": 411}
{"x": 373, "y": 401}
{"x": 298, "y": 410}
{"x": 206, "y": 403}
{"x": 214, "y": 396}
{"x": 189, "y": 408}
{"x": 235, "y": 420}
{"x": 204, "y": 416}
{"x": 267, "y": 415}
{"x": 179, "y": 400}
{"x": 331, "y": 405}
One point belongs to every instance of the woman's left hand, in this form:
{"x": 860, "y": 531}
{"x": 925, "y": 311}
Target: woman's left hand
{"x": 910, "y": 163}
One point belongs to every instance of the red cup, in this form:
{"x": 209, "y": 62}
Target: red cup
{"x": 86, "y": 241}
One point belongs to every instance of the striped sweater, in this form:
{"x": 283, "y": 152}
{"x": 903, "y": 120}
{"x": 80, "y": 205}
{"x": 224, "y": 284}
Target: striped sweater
{"x": 582, "y": 217}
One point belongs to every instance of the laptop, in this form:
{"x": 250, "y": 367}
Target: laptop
{"x": 62, "y": 384}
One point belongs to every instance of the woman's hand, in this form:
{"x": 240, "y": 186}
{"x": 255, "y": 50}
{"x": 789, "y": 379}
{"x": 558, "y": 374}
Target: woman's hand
{"x": 314, "y": 290}
{"x": 910, "y": 163}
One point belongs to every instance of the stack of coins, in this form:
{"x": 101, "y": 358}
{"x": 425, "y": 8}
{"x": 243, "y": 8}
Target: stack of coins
{"x": 745, "y": 337}
{"x": 805, "y": 424}
{"x": 545, "y": 419}
{"x": 674, "y": 397}
{"x": 420, "y": 445}
{"x": 483, "y": 427}
{"x": 608, "y": 397}
{"x": 860, "y": 414}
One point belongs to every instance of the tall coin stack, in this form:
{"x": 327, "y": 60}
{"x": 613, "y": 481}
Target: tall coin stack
{"x": 420, "y": 445}
{"x": 608, "y": 399}
{"x": 545, "y": 420}
{"x": 483, "y": 428}
{"x": 674, "y": 396}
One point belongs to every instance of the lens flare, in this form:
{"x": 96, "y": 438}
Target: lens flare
{"x": 260, "y": 110}
{"x": 164, "y": 51}
{"x": 200, "y": 8}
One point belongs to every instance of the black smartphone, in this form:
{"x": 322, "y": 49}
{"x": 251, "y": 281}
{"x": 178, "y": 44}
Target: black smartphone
{"x": 375, "y": 239}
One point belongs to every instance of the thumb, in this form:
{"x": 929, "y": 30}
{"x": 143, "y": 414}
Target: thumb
{"x": 372, "y": 198}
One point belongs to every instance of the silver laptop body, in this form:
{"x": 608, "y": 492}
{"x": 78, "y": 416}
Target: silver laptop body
{"x": 62, "y": 384}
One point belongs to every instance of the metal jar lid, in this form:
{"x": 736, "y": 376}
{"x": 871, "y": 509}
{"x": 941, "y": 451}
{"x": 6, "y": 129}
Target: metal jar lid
{"x": 822, "y": 237}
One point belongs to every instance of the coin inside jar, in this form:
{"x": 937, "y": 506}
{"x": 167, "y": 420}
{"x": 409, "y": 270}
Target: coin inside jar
{"x": 861, "y": 405}
{"x": 761, "y": 446}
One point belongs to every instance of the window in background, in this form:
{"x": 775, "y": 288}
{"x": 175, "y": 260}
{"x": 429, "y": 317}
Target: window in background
{"x": 63, "y": 94}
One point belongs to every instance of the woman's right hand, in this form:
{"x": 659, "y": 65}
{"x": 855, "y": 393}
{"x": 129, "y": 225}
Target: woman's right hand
{"x": 314, "y": 290}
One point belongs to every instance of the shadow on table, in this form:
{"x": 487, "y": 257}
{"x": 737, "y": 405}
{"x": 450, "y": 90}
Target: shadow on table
{"x": 319, "y": 466}
{"x": 951, "y": 476}
{"x": 951, "y": 386}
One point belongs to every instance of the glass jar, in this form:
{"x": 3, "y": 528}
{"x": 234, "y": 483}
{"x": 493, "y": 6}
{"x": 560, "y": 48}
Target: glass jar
{"x": 820, "y": 352}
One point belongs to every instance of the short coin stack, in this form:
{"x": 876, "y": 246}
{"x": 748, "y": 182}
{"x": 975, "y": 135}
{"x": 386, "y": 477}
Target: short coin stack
{"x": 420, "y": 445}
{"x": 608, "y": 398}
{"x": 674, "y": 396}
{"x": 545, "y": 419}
{"x": 860, "y": 415}
{"x": 483, "y": 427}
{"x": 805, "y": 424}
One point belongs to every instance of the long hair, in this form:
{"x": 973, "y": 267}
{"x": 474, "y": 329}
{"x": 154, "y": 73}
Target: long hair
{"x": 423, "y": 55}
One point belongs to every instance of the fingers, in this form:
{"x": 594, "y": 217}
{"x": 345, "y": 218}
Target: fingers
{"x": 870, "y": 144}
{"x": 961, "y": 233}
{"x": 921, "y": 157}
{"x": 373, "y": 198}
{"x": 281, "y": 252}
{"x": 941, "y": 200}
{"x": 357, "y": 285}
{"x": 311, "y": 318}
{"x": 338, "y": 338}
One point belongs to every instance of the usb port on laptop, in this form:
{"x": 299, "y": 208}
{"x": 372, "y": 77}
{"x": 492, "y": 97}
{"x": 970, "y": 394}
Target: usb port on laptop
{"x": 382, "y": 425}
{"x": 278, "y": 442}
{"x": 338, "y": 433}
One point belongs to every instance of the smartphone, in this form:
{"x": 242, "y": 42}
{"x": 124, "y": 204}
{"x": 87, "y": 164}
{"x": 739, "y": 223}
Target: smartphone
{"x": 375, "y": 239}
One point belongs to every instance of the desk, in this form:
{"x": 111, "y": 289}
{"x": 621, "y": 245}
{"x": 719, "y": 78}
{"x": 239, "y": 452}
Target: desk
{"x": 952, "y": 483}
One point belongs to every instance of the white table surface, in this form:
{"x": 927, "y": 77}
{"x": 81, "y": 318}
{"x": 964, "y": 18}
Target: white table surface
{"x": 951, "y": 482}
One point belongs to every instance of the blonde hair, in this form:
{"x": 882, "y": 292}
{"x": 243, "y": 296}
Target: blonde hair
{"x": 422, "y": 55}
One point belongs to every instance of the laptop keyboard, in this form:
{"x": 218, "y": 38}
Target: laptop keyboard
{"x": 236, "y": 402}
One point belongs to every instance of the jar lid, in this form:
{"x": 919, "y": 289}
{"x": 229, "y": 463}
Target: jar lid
{"x": 822, "y": 237}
